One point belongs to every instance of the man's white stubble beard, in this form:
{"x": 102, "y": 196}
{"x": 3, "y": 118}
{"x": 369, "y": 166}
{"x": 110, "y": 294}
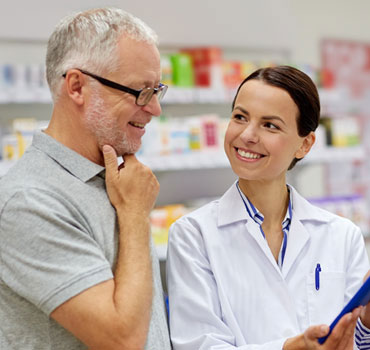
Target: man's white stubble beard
{"x": 105, "y": 128}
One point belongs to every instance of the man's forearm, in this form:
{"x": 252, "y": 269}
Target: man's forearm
{"x": 133, "y": 276}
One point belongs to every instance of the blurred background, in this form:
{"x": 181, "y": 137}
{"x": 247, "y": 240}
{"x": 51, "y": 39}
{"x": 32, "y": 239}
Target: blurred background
{"x": 207, "y": 48}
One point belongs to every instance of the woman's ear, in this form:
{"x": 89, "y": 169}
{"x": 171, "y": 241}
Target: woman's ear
{"x": 74, "y": 81}
{"x": 307, "y": 143}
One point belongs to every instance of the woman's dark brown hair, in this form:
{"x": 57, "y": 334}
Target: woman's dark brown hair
{"x": 301, "y": 89}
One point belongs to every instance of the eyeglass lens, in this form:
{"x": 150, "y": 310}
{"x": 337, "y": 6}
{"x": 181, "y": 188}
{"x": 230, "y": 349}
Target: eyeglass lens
{"x": 147, "y": 93}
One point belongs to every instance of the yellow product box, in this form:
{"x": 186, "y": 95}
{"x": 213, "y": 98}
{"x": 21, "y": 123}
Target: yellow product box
{"x": 10, "y": 147}
{"x": 162, "y": 218}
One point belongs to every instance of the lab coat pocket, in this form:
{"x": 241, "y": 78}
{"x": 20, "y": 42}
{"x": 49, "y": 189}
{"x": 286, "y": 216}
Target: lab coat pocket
{"x": 325, "y": 296}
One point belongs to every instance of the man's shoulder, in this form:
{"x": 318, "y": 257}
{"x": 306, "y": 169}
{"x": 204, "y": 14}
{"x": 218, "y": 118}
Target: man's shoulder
{"x": 24, "y": 171}
{"x": 32, "y": 174}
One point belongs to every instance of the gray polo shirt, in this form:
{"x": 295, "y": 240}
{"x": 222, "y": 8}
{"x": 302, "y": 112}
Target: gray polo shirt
{"x": 58, "y": 237}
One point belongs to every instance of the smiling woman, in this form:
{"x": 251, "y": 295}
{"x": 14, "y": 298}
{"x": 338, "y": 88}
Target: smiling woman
{"x": 263, "y": 126}
{"x": 241, "y": 269}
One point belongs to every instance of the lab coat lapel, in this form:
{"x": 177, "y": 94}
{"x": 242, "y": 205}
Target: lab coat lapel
{"x": 252, "y": 228}
{"x": 298, "y": 238}
{"x": 231, "y": 210}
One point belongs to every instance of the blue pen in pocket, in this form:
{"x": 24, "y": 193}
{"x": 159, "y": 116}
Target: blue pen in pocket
{"x": 317, "y": 276}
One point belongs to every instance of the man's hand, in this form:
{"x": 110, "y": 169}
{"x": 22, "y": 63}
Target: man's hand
{"x": 341, "y": 338}
{"x": 131, "y": 187}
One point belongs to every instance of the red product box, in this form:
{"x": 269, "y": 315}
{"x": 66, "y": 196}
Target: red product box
{"x": 232, "y": 71}
{"x": 207, "y": 64}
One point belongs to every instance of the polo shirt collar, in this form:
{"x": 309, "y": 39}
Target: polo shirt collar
{"x": 70, "y": 160}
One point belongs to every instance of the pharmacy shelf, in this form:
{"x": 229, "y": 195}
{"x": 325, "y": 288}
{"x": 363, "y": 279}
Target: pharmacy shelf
{"x": 217, "y": 159}
{"x": 24, "y": 95}
{"x": 191, "y": 160}
{"x": 335, "y": 155}
{"x": 175, "y": 95}
{"x": 198, "y": 95}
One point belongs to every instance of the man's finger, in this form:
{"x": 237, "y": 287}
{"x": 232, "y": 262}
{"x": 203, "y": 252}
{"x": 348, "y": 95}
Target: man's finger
{"x": 110, "y": 158}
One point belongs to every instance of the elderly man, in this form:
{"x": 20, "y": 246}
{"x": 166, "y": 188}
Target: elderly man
{"x": 77, "y": 266}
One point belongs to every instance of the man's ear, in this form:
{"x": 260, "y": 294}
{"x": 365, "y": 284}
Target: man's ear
{"x": 307, "y": 143}
{"x": 75, "y": 81}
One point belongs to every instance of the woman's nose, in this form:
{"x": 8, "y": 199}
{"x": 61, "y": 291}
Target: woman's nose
{"x": 250, "y": 134}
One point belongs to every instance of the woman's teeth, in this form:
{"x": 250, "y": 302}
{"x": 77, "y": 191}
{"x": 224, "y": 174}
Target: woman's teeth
{"x": 249, "y": 154}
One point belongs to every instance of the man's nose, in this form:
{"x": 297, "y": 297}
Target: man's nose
{"x": 153, "y": 107}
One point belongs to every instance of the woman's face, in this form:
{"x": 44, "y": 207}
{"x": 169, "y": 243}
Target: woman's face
{"x": 262, "y": 137}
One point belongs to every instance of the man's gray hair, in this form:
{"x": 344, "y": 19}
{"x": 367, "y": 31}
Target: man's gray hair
{"x": 88, "y": 40}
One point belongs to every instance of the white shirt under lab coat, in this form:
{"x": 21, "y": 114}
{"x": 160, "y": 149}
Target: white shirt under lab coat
{"x": 226, "y": 290}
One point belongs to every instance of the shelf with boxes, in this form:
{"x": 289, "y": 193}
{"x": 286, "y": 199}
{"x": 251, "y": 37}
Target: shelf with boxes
{"x": 184, "y": 147}
{"x": 218, "y": 160}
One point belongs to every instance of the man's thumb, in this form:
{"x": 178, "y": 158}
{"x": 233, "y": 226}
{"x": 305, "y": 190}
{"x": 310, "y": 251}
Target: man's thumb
{"x": 110, "y": 158}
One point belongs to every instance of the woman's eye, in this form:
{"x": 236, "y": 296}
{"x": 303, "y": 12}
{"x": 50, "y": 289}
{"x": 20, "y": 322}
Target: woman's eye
{"x": 238, "y": 117}
{"x": 271, "y": 126}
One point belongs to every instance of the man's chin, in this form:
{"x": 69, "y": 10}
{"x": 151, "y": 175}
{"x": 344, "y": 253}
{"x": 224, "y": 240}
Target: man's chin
{"x": 130, "y": 150}
{"x": 127, "y": 153}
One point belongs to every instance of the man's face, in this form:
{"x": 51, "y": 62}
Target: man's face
{"x": 112, "y": 115}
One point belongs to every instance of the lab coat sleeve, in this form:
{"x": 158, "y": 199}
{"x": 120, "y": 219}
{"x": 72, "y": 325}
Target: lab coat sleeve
{"x": 196, "y": 319}
{"x": 357, "y": 263}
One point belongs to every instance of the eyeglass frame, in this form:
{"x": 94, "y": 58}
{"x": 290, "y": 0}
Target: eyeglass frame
{"x": 161, "y": 88}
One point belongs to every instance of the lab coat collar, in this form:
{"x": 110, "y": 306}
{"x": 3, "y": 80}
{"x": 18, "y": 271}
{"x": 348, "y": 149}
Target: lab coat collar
{"x": 303, "y": 210}
{"x": 231, "y": 208}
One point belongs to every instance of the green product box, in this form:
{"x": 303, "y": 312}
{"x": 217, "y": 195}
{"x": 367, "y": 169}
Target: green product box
{"x": 182, "y": 70}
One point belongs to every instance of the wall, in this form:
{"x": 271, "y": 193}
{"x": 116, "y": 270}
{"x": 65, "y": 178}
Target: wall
{"x": 293, "y": 25}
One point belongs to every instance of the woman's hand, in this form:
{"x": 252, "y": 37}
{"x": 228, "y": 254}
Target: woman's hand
{"x": 341, "y": 338}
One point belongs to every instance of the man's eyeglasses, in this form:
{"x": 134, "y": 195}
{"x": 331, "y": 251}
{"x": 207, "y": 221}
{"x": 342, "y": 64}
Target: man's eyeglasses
{"x": 143, "y": 96}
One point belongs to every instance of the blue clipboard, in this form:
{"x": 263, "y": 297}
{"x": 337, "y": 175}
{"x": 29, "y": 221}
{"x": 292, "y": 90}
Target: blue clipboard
{"x": 362, "y": 297}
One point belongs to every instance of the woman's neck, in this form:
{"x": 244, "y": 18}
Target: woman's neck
{"x": 270, "y": 198}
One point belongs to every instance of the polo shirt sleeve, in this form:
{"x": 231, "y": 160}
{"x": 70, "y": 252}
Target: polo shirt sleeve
{"x": 48, "y": 253}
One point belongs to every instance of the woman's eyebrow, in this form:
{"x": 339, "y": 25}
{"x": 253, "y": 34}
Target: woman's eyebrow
{"x": 273, "y": 117}
{"x": 241, "y": 109}
{"x": 267, "y": 117}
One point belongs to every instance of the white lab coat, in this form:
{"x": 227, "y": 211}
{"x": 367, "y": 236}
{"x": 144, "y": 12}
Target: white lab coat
{"x": 226, "y": 290}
